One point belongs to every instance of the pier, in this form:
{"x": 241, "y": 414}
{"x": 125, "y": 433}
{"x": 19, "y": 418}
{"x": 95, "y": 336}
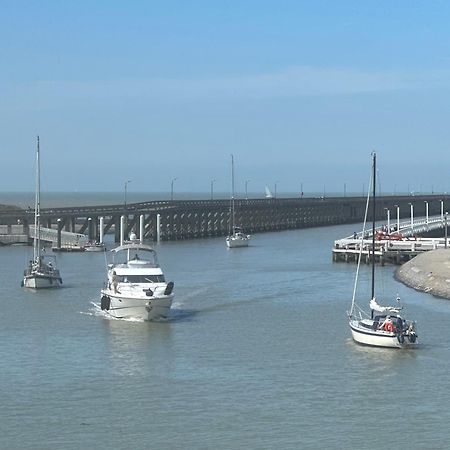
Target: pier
{"x": 394, "y": 244}
{"x": 195, "y": 219}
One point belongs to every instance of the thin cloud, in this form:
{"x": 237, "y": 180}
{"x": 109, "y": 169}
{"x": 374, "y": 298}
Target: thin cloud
{"x": 294, "y": 81}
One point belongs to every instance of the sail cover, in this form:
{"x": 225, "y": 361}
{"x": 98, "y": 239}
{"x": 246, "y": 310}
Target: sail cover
{"x": 376, "y": 307}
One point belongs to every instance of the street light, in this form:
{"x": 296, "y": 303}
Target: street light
{"x": 442, "y": 209}
{"x": 398, "y": 218}
{"x": 446, "y": 214}
{"x": 388, "y": 212}
{"x": 426, "y": 212}
{"x": 125, "y": 193}
{"x": 301, "y": 190}
{"x": 246, "y": 192}
{"x": 276, "y": 182}
{"x": 212, "y": 189}
{"x": 412, "y": 217}
{"x": 171, "y": 188}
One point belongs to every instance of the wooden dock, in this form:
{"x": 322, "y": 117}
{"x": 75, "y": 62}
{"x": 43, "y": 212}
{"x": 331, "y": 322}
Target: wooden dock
{"x": 394, "y": 247}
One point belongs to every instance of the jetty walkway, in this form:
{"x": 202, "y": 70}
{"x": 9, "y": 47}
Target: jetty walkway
{"x": 191, "y": 219}
{"x": 394, "y": 244}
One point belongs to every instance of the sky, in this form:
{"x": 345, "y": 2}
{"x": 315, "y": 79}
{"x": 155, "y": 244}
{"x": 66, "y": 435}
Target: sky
{"x": 300, "y": 92}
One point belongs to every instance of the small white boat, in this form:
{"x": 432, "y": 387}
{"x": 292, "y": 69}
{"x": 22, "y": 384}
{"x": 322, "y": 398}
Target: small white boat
{"x": 41, "y": 271}
{"x": 95, "y": 246}
{"x": 236, "y": 237}
{"x": 384, "y": 326}
{"x": 136, "y": 287}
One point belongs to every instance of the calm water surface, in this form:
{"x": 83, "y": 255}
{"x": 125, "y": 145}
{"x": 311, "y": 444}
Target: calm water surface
{"x": 257, "y": 354}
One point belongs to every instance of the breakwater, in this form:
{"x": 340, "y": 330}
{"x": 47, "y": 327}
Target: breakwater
{"x": 191, "y": 219}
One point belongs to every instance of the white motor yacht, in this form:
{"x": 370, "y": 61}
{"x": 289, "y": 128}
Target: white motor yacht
{"x": 136, "y": 287}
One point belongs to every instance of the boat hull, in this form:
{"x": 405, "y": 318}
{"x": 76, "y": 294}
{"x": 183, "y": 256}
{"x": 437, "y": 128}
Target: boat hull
{"x": 143, "y": 308}
{"x": 237, "y": 242}
{"x": 41, "y": 282}
{"x": 94, "y": 248}
{"x": 378, "y": 338}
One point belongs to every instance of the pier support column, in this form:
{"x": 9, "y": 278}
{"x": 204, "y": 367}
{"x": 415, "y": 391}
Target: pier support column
{"x": 60, "y": 227}
{"x": 122, "y": 228}
{"x": 141, "y": 228}
{"x": 158, "y": 228}
{"x": 101, "y": 230}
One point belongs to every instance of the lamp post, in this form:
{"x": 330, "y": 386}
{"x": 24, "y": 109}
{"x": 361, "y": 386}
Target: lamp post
{"x": 171, "y": 188}
{"x": 412, "y": 217}
{"x": 446, "y": 214}
{"x": 301, "y": 190}
{"x": 426, "y": 212}
{"x": 246, "y": 191}
{"x": 345, "y": 189}
{"x": 212, "y": 189}
{"x": 125, "y": 193}
{"x": 276, "y": 182}
{"x": 398, "y": 218}
{"x": 442, "y": 210}
{"x": 388, "y": 212}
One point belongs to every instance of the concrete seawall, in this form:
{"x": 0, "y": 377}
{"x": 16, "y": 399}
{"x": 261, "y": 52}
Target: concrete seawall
{"x": 428, "y": 272}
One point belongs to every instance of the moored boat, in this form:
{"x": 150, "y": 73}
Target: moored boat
{"x": 236, "y": 237}
{"x": 41, "y": 271}
{"x": 95, "y": 246}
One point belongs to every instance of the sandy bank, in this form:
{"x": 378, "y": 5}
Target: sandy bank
{"x": 428, "y": 272}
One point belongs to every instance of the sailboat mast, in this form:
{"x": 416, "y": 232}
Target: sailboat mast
{"x": 373, "y": 221}
{"x": 37, "y": 208}
{"x": 232, "y": 195}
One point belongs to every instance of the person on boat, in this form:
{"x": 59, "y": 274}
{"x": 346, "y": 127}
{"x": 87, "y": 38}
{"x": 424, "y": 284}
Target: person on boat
{"x": 115, "y": 281}
{"x": 387, "y": 325}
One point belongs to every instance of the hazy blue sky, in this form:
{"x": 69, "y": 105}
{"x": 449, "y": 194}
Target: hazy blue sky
{"x": 298, "y": 91}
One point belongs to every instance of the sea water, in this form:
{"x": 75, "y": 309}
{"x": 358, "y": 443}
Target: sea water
{"x": 257, "y": 354}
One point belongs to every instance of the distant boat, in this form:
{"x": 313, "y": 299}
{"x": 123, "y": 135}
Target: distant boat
{"x": 386, "y": 328}
{"x": 268, "y": 193}
{"x": 95, "y": 246}
{"x": 236, "y": 237}
{"x": 41, "y": 271}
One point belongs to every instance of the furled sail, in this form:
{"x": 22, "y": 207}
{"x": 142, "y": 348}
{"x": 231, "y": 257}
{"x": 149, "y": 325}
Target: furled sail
{"x": 377, "y": 307}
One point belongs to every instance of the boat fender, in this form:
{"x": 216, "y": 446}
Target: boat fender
{"x": 149, "y": 307}
{"x": 400, "y": 338}
{"x": 169, "y": 288}
{"x": 60, "y": 280}
{"x": 105, "y": 303}
{"x": 21, "y": 283}
{"x": 412, "y": 337}
{"x": 148, "y": 292}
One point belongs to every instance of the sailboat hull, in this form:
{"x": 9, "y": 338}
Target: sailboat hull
{"x": 41, "y": 282}
{"x": 378, "y": 338}
{"x": 233, "y": 242}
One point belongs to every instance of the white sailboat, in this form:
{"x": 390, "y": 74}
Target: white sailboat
{"x": 41, "y": 271}
{"x": 236, "y": 237}
{"x": 383, "y": 326}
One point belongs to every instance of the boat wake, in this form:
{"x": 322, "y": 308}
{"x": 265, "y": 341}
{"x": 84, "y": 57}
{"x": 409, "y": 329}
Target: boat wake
{"x": 176, "y": 314}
